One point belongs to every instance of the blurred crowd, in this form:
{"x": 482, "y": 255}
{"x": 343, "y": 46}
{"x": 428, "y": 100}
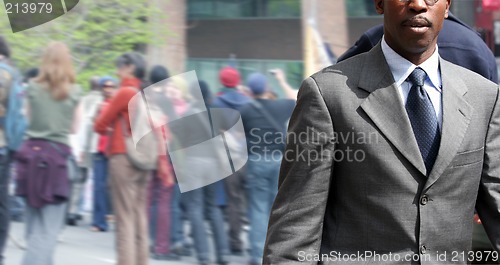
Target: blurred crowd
{"x": 72, "y": 139}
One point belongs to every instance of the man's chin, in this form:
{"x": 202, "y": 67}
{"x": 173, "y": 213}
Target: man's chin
{"x": 420, "y": 48}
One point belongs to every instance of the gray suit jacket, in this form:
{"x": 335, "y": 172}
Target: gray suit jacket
{"x": 352, "y": 178}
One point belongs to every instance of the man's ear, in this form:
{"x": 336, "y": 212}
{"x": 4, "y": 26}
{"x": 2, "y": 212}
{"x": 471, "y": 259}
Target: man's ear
{"x": 448, "y": 3}
{"x": 379, "y": 6}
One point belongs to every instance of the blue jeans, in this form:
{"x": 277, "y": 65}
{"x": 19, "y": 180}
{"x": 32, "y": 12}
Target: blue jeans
{"x": 176, "y": 227}
{"x": 4, "y": 198}
{"x": 195, "y": 202}
{"x": 216, "y": 219}
{"x": 101, "y": 198}
{"x": 42, "y": 227}
{"x": 262, "y": 187}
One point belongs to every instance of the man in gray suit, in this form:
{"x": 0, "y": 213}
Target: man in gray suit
{"x": 388, "y": 154}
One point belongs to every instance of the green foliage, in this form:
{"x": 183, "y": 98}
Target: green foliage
{"x": 96, "y": 31}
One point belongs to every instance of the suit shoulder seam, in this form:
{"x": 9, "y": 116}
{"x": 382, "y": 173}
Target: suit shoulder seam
{"x": 323, "y": 98}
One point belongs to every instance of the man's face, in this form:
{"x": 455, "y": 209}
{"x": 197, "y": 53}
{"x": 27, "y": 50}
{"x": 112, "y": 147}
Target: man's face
{"x": 411, "y": 27}
{"x": 108, "y": 89}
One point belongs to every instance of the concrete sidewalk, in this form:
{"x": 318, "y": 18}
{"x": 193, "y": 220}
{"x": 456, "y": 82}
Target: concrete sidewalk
{"x": 80, "y": 246}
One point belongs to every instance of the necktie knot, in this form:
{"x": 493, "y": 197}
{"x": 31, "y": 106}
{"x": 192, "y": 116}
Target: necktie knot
{"x": 417, "y": 77}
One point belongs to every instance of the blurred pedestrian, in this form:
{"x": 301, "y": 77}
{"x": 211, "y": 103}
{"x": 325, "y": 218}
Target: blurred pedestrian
{"x": 201, "y": 201}
{"x": 30, "y": 74}
{"x": 97, "y": 147}
{"x": 7, "y": 73}
{"x": 161, "y": 185}
{"x": 16, "y": 203}
{"x": 176, "y": 91}
{"x": 128, "y": 183}
{"x": 84, "y": 145}
{"x": 265, "y": 123}
{"x": 52, "y": 104}
{"x": 230, "y": 97}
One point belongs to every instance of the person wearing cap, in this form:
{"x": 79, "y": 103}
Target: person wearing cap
{"x": 230, "y": 97}
{"x": 265, "y": 122}
{"x": 101, "y": 203}
{"x": 83, "y": 148}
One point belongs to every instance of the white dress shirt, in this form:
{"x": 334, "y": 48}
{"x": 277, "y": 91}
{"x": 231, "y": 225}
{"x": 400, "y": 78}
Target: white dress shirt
{"x": 402, "y": 68}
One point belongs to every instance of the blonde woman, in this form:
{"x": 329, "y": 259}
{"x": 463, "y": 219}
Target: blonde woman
{"x": 52, "y": 99}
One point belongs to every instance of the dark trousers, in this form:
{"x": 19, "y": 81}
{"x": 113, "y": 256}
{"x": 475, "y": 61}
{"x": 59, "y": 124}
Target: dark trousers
{"x": 199, "y": 202}
{"x": 159, "y": 198}
{"x": 235, "y": 193}
{"x": 4, "y": 199}
{"x": 177, "y": 225}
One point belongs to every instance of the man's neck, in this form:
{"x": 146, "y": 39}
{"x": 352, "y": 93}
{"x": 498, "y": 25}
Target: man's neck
{"x": 415, "y": 57}
{"x": 419, "y": 58}
{"x": 401, "y": 67}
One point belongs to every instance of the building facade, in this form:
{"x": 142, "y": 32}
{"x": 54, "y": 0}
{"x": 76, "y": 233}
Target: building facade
{"x": 259, "y": 35}
{"x": 251, "y": 35}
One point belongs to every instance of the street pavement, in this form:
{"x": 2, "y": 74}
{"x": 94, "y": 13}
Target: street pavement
{"x": 79, "y": 246}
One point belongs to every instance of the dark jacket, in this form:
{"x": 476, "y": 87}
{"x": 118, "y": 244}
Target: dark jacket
{"x": 41, "y": 173}
{"x": 230, "y": 98}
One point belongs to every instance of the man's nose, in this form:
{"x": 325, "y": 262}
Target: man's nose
{"x": 418, "y": 6}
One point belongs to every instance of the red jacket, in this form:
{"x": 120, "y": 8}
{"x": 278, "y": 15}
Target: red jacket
{"x": 103, "y": 140}
{"x": 116, "y": 110}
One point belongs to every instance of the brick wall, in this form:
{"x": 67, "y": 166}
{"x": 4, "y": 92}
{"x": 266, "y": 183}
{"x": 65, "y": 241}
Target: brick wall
{"x": 172, "y": 53}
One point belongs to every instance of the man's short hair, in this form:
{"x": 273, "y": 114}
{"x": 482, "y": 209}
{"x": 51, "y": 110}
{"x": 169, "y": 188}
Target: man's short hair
{"x": 158, "y": 74}
{"x": 4, "y": 47}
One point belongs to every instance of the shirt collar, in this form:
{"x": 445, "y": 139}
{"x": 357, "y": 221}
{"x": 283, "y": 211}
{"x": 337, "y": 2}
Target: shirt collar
{"x": 402, "y": 68}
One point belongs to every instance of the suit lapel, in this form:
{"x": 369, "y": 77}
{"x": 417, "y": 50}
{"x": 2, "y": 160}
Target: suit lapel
{"x": 456, "y": 118}
{"x": 385, "y": 107}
